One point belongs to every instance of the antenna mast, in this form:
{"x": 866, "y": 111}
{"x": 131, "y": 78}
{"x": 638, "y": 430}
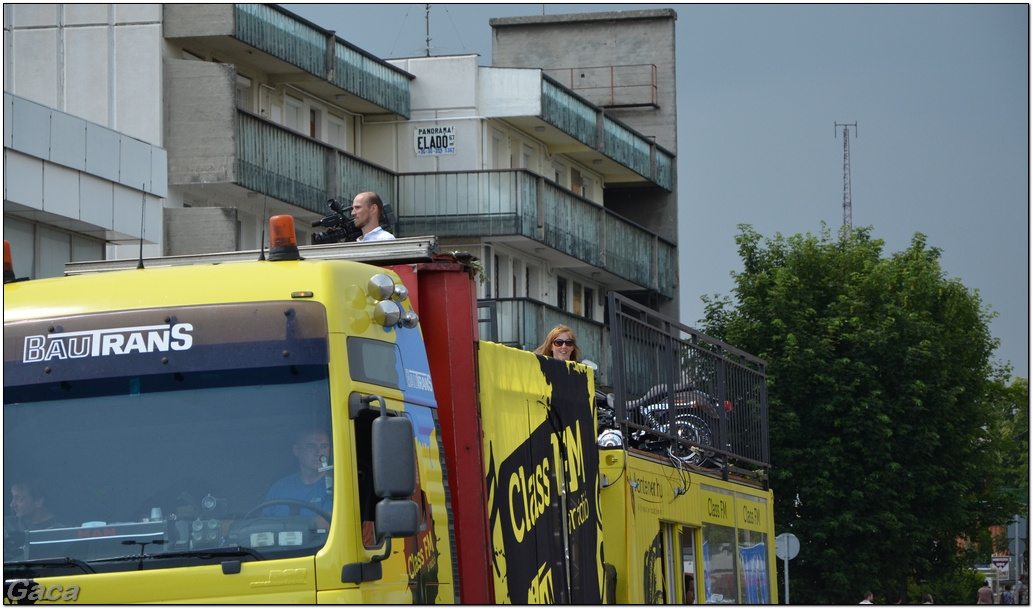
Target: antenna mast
{"x": 428, "y": 30}
{"x": 848, "y": 220}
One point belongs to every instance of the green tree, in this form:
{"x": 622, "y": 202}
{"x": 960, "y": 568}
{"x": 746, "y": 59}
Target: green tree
{"x": 1012, "y": 434}
{"x": 1015, "y": 410}
{"x": 882, "y": 417}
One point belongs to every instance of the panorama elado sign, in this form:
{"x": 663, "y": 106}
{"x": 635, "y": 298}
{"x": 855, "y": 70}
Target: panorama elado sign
{"x": 435, "y": 140}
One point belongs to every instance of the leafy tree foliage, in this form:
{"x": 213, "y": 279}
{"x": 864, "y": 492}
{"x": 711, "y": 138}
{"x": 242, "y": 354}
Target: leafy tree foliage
{"x": 954, "y": 588}
{"x": 882, "y": 406}
{"x": 1015, "y": 410}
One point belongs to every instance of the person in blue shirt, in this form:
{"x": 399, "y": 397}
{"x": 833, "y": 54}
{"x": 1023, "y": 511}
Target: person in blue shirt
{"x": 310, "y": 484}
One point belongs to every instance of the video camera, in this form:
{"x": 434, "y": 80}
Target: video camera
{"x": 341, "y": 226}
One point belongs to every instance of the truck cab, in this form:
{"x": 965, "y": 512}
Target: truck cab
{"x": 223, "y": 431}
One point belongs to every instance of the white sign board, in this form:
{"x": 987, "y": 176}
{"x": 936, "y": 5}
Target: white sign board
{"x": 787, "y": 546}
{"x": 1001, "y": 562}
{"x": 434, "y": 140}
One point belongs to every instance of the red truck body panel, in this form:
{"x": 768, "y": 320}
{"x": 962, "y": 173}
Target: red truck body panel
{"x": 444, "y": 298}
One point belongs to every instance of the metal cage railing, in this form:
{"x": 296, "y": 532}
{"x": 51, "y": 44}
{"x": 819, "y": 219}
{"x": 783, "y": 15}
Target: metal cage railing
{"x": 685, "y": 395}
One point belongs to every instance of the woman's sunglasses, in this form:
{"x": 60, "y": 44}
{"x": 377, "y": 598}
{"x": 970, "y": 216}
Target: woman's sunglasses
{"x": 559, "y": 342}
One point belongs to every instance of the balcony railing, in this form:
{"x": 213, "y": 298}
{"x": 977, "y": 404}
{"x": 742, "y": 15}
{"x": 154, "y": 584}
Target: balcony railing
{"x": 572, "y": 226}
{"x": 592, "y": 127}
{"x": 282, "y": 163}
{"x": 467, "y": 204}
{"x": 621, "y": 142}
{"x": 520, "y": 203}
{"x": 621, "y": 86}
{"x": 569, "y": 113}
{"x": 523, "y": 323}
{"x": 318, "y": 52}
{"x": 716, "y": 416}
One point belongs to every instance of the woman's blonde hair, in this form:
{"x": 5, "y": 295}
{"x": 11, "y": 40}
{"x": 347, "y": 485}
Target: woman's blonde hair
{"x": 546, "y": 347}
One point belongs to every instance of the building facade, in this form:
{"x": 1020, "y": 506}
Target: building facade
{"x": 84, "y": 162}
{"x": 180, "y": 128}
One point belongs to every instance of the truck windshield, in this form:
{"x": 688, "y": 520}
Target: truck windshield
{"x": 169, "y": 468}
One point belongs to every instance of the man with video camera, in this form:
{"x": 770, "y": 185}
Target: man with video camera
{"x": 366, "y": 210}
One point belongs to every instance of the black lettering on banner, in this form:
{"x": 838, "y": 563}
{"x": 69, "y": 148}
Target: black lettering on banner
{"x": 653, "y": 571}
{"x": 717, "y": 509}
{"x": 750, "y": 515}
{"x": 542, "y": 591}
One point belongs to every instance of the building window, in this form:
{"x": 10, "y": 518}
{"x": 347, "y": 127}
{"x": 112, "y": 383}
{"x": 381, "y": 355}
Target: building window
{"x": 498, "y": 279}
{"x": 561, "y": 293}
{"x": 688, "y": 564}
{"x": 244, "y": 93}
{"x": 487, "y": 287}
{"x": 499, "y": 152}
{"x": 336, "y": 132}
{"x": 315, "y": 117}
{"x": 292, "y": 113}
{"x": 575, "y": 181}
{"x": 526, "y": 156}
{"x": 590, "y": 303}
{"x": 577, "y": 298}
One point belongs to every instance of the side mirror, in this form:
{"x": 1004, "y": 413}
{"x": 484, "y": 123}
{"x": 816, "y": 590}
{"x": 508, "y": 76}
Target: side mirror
{"x": 394, "y": 457}
{"x": 393, "y": 442}
{"x": 394, "y": 475}
{"x": 397, "y": 517}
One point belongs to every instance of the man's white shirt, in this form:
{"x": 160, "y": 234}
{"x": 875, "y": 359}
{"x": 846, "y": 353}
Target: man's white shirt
{"x": 377, "y": 234}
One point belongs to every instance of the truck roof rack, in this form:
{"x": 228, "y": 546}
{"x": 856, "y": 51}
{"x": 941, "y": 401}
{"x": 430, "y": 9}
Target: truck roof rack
{"x": 396, "y": 251}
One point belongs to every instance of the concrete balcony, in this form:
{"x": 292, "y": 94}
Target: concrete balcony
{"x": 220, "y": 153}
{"x": 226, "y": 156}
{"x": 291, "y": 50}
{"x": 615, "y": 149}
{"x": 536, "y": 216}
{"x": 288, "y": 166}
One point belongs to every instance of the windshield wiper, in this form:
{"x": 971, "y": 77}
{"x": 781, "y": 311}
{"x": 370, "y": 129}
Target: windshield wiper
{"x": 199, "y": 553}
{"x": 30, "y": 565}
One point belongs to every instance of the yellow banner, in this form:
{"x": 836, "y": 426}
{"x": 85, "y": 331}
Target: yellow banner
{"x": 751, "y": 513}
{"x": 717, "y": 507}
{"x": 542, "y": 476}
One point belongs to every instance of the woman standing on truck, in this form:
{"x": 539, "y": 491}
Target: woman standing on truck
{"x": 561, "y": 344}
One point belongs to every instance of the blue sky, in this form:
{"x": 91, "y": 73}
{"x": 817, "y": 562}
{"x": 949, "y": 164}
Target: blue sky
{"x": 940, "y": 94}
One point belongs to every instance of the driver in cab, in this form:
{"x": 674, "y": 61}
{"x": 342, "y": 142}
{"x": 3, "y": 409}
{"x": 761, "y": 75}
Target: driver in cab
{"x": 310, "y": 484}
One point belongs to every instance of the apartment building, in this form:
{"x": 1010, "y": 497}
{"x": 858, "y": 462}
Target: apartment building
{"x": 183, "y": 127}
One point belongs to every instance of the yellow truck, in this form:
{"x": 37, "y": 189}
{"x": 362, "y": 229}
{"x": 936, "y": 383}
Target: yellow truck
{"x": 323, "y": 425}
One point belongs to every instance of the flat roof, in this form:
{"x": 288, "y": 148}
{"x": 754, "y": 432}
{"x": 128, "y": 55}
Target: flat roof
{"x": 658, "y": 13}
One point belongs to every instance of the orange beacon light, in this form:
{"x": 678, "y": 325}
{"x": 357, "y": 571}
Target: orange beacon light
{"x": 283, "y": 242}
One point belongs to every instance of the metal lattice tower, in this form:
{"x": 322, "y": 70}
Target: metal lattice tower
{"x": 848, "y": 220}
